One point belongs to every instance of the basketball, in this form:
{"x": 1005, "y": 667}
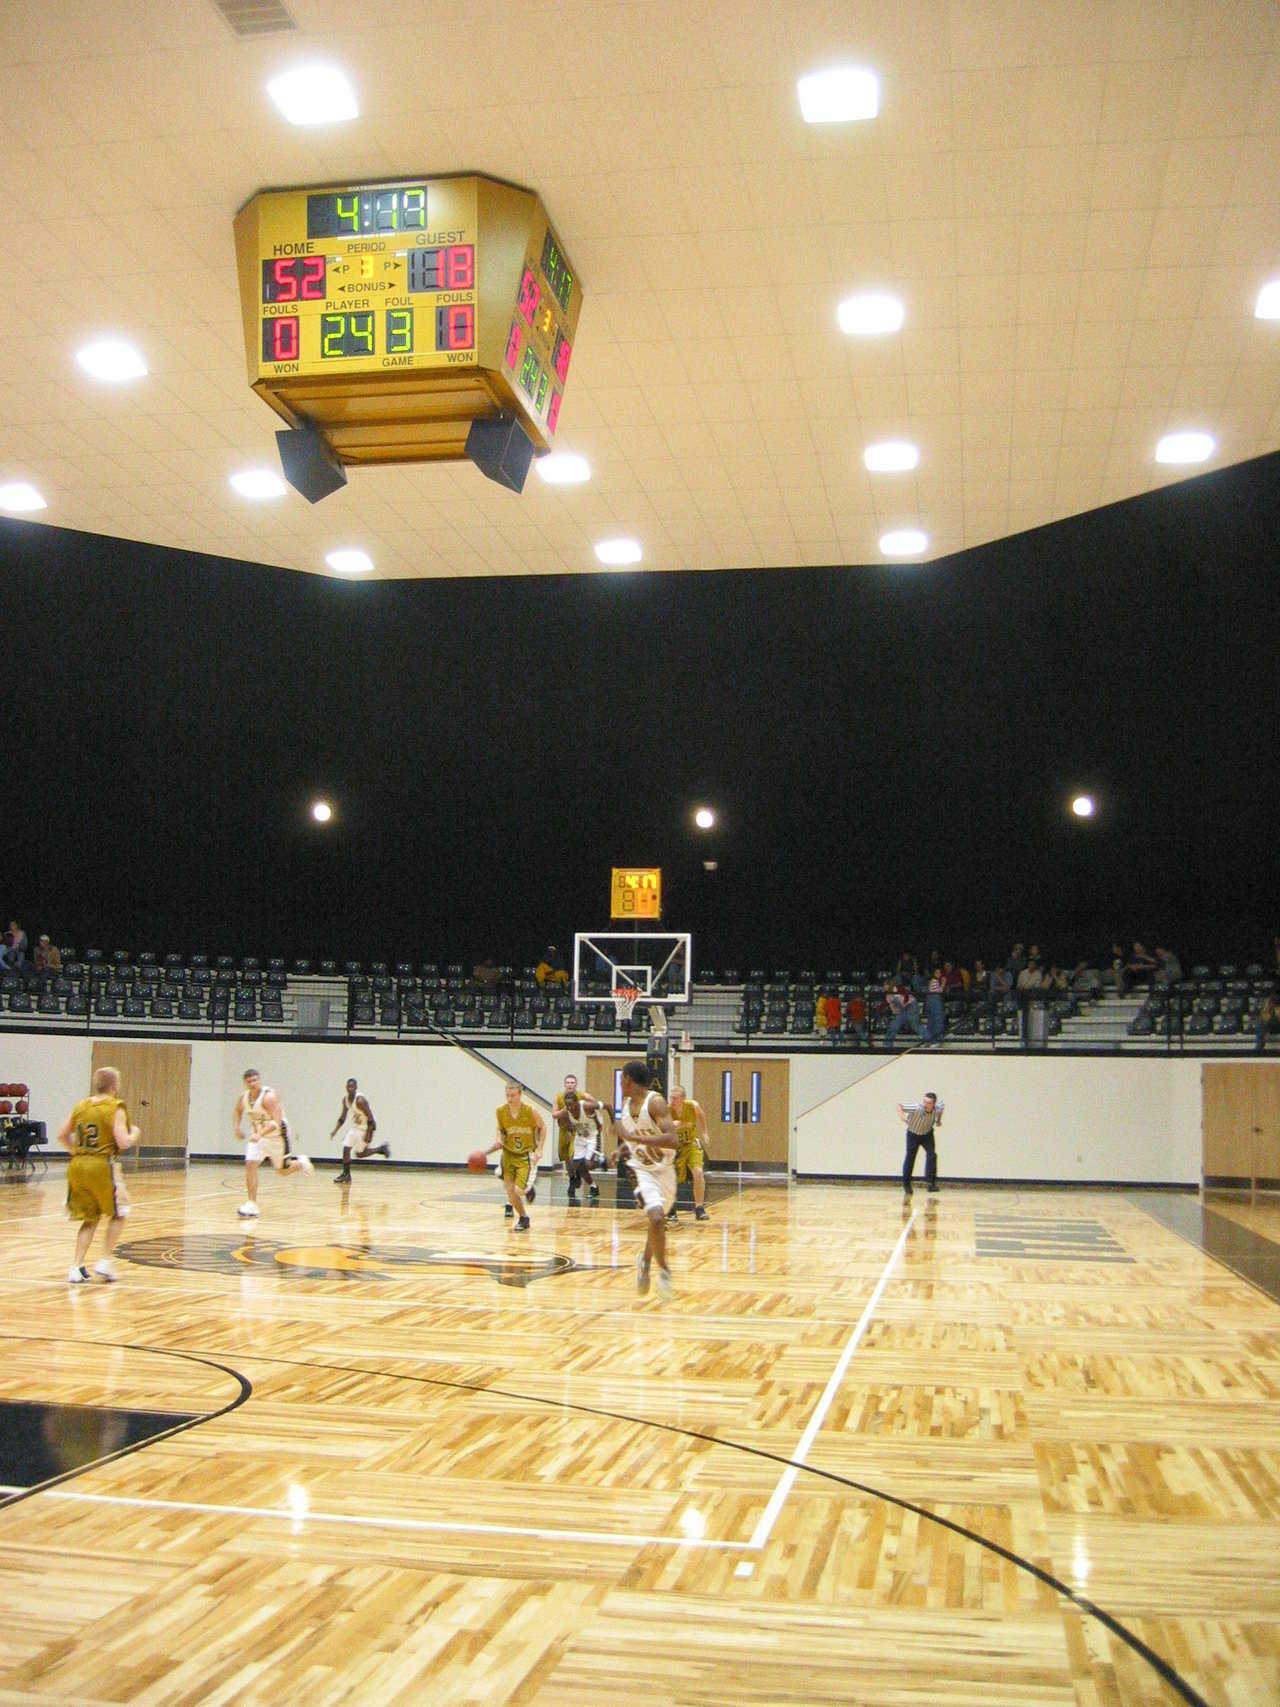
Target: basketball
{"x": 476, "y": 1161}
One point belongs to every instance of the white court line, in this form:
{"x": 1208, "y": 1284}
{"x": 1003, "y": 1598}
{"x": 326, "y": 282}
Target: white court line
{"x": 605, "y": 1538}
{"x": 769, "y": 1516}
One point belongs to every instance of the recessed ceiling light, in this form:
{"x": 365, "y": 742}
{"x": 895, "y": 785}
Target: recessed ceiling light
{"x": 1267, "y": 306}
{"x": 704, "y": 817}
{"x": 903, "y": 542}
{"x": 111, "y": 359}
{"x": 711, "y": 865}
{"x": 1184, "y": 447}
{"x": 258, "y": 483}
{"x": 321, "y": 811}
{"x": 19, "y": 496}
{"x": 619, "y": 552}
{"x": 870, "y": 313}
{"x": 891, "y": 456}
{"x": 563, "y": 468}
{"x": 839, "y": 95}
{"x": 350, "y": 562}
{"x": 314, "y": 94}
{"x": 1082, "y": 806}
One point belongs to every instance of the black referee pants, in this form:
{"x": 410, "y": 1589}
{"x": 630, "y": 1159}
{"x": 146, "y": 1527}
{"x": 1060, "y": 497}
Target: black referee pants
{"x": 920, "y": 1141}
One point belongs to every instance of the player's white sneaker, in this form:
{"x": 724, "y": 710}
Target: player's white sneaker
{"x": 247, "y": 1209}
{"x": 304, "y": 1162}
{"x": 77, "y": 1275}
{"x": 662, "y": 1280}
{"x": 642, "y": 1274}
{"x": 105, "y": 1270}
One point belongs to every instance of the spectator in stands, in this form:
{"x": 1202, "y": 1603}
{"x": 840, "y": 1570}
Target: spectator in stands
{"x": 935, "y": 1013}
{"x": 1000, "y": 983}
{"x": 1140, "y": 965}
{"x": 904, "y": 1009}
{"x": 906, "y": 972}
{"x": 1017, "y": 961}
{"x": 820, "y": 1016}
{"x": 47, "y": 961}
{"x": 1031, "y": 977}
{"x": 1086, "y": 980}
{"x": 856, "y": 1017}
{"x": 953, "y": 979}
{"x": 1055, "y": 980}
{"x": 1268, "y": 1021}
{"x": 550, "y": 969}
{"x": 829, "y": 1006}
{"x": 13, "y": 954}
{"x": 486, "y": 974}
{"x": 980, "y": 981}
{"x": 1168, "y": 967}
{"x": 1115, "y": 973}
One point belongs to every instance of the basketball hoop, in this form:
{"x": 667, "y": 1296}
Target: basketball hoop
{"x": 625, "y": 997}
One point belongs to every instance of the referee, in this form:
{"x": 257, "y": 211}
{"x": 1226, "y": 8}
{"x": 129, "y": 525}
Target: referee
{"x": 921, "y": 1118}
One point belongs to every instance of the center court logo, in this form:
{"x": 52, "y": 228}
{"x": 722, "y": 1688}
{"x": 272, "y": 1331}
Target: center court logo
{"x": 207, "y": 1254}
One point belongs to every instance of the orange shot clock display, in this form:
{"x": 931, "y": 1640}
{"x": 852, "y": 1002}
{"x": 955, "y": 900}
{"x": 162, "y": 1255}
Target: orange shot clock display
{"x": 636, "y": 893}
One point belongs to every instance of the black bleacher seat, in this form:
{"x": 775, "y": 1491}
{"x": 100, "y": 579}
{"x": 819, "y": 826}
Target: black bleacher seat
{"x": 161, "y": 1008}
{"x": 92, "y": 956}
{"x": 146, "y": 958}
{"x": 389, "y": 1014}
{"x": 430, "y": 969}
{"x": 244, "y": 1012}
{"x": 250, "y": 963}
{"x": 78, "y": 1006}
{"x": 553, "y": 1021}
{"x": 219, "y": 1004}
{"x": 1200, "y": 1024}
{"x": 149, "y": 976}
{"x": 225, "y": 963}
{"x": 352, "y": 968}
{"x": 729, "y": 976}
{"x": 21, "y": 1003}
{"x": 250, "y": 978}
{"x": 106, "y": 1007}
{"x": 328, "y": 969}
{"x": 9, "y": 982}
{"x": 276, "y": 981}
{"x": 272, "y": 1010}
{"x": 119, "y": 956}
{"x": 173, "y": 960}
{"x": 63, "y": 986}
{"x": 362, "y": 1014}
{"x": 416, "y": 1019}
{"x": 198, "y": 960}
{"x": 190, "y": 1010}
{"x": 275, "y": 963}
{"x": 378, "y": 968}
{"x": 49, "y": 1003}
{"x": 498, "y": 1019}
{"x": 1227, "y": 1024}
{"x": 117, "y": 987}
{"x": 404, "y": 969}
{"x": 301, "y": 968}
{"x": 175, "y": 976}
{"x": 1228, "y": 971}
{"x": 201, "y": 977}
{"x": 604, "y": 1020}
{"x": 382, "y": 983}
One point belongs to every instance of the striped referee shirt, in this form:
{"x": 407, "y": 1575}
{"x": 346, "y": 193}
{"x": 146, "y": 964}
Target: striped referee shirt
{"x": 921, "y": 1120}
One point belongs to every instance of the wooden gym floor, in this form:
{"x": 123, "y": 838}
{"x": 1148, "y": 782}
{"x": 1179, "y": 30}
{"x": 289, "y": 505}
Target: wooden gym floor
{"x": 990, "y": 1447}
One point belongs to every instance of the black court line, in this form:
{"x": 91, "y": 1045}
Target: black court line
{"x": 1246, "y": 1253}
{"x": 1159, "y": 1665}
{"x": 246, "y": 1388}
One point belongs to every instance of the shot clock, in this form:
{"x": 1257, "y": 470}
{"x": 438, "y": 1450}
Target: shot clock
{"x": 390, "y": 316}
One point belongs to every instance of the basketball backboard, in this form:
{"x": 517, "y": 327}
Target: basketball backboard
{"x": 656, "y": 963}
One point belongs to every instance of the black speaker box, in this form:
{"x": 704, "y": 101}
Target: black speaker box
{"x": 309, "y": 465}
{"x": 502, "y": 450}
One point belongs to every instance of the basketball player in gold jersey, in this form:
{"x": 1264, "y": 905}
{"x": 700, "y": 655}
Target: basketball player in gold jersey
{"x": 95, "y": 1132}
{"x": 691, "y": 1123}
{"x": 521, "y": 1135}
{"x": 647, "y": 1132}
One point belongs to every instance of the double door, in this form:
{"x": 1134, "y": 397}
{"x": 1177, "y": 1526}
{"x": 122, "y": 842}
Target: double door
{"x": 747, "y": 1102}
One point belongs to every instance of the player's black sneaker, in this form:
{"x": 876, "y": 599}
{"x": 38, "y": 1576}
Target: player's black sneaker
{"x": 508, "y": 1212}
{"x": 672, "y": 1217}
{"x": 700, "y": 1214}
{"x": 572, "y": 1200}
{"x": 343, "y": 1177}
{"x": 522, "y": 1225}
{"x": 593, "y": 1192}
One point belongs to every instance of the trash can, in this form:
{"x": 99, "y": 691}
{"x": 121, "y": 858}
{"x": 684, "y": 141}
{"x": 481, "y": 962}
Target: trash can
{"x": 1035, "y": 1023}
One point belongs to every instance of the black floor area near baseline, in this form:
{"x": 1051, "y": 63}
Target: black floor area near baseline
{"x": 38, "y": 1440}
{"x": 1246, "y": 1253}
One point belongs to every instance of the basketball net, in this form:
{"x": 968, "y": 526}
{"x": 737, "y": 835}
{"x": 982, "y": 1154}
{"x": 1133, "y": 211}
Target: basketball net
{"x": 625, "y": 998}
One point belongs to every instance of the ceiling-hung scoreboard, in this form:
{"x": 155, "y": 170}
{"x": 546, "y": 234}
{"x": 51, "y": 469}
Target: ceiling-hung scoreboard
{"x": 390, "y": 317}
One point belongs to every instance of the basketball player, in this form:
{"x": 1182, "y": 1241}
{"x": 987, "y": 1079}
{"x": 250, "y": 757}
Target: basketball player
{"x": 579, "y": 1123}
{"x": 355, "y": 1108}
{"x": 648, "y": 1134}
{"x": 691, "y": 1123}
{"x": 95, "y": 1132}
{"x": 268, "y": 1137}
{"x": 564, "y": 1144}
{"x": 521, "y": 1135}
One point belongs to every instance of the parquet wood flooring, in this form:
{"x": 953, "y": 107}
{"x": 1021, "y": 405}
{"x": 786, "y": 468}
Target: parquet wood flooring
{"x": 468, "y": 1472}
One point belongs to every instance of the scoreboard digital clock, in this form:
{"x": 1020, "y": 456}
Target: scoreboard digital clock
{"x": 389, "y": 317}
{"x": 635, "y": 893}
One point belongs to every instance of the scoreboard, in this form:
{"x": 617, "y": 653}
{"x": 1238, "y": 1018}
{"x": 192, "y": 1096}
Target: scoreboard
{"x": 635, "y": 892}
{"x": 390, "y": 316}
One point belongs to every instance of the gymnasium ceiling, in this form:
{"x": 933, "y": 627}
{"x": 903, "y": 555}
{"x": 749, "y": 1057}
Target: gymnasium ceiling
{"x": 1078, "y": 201}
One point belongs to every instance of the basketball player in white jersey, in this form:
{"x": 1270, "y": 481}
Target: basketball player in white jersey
{"x": 579, "y": 1120}
{"x": 268, "y": 1137}
{"x": 359, "y": 1141}
{"x": 647, "y": 1132}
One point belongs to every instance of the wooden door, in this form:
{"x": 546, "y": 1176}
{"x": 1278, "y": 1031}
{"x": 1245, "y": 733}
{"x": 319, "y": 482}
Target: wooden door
{"x": 1240, "y": 1123}
{"x": 747, "y": 1102}
{"x": 155, "y": 1081}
